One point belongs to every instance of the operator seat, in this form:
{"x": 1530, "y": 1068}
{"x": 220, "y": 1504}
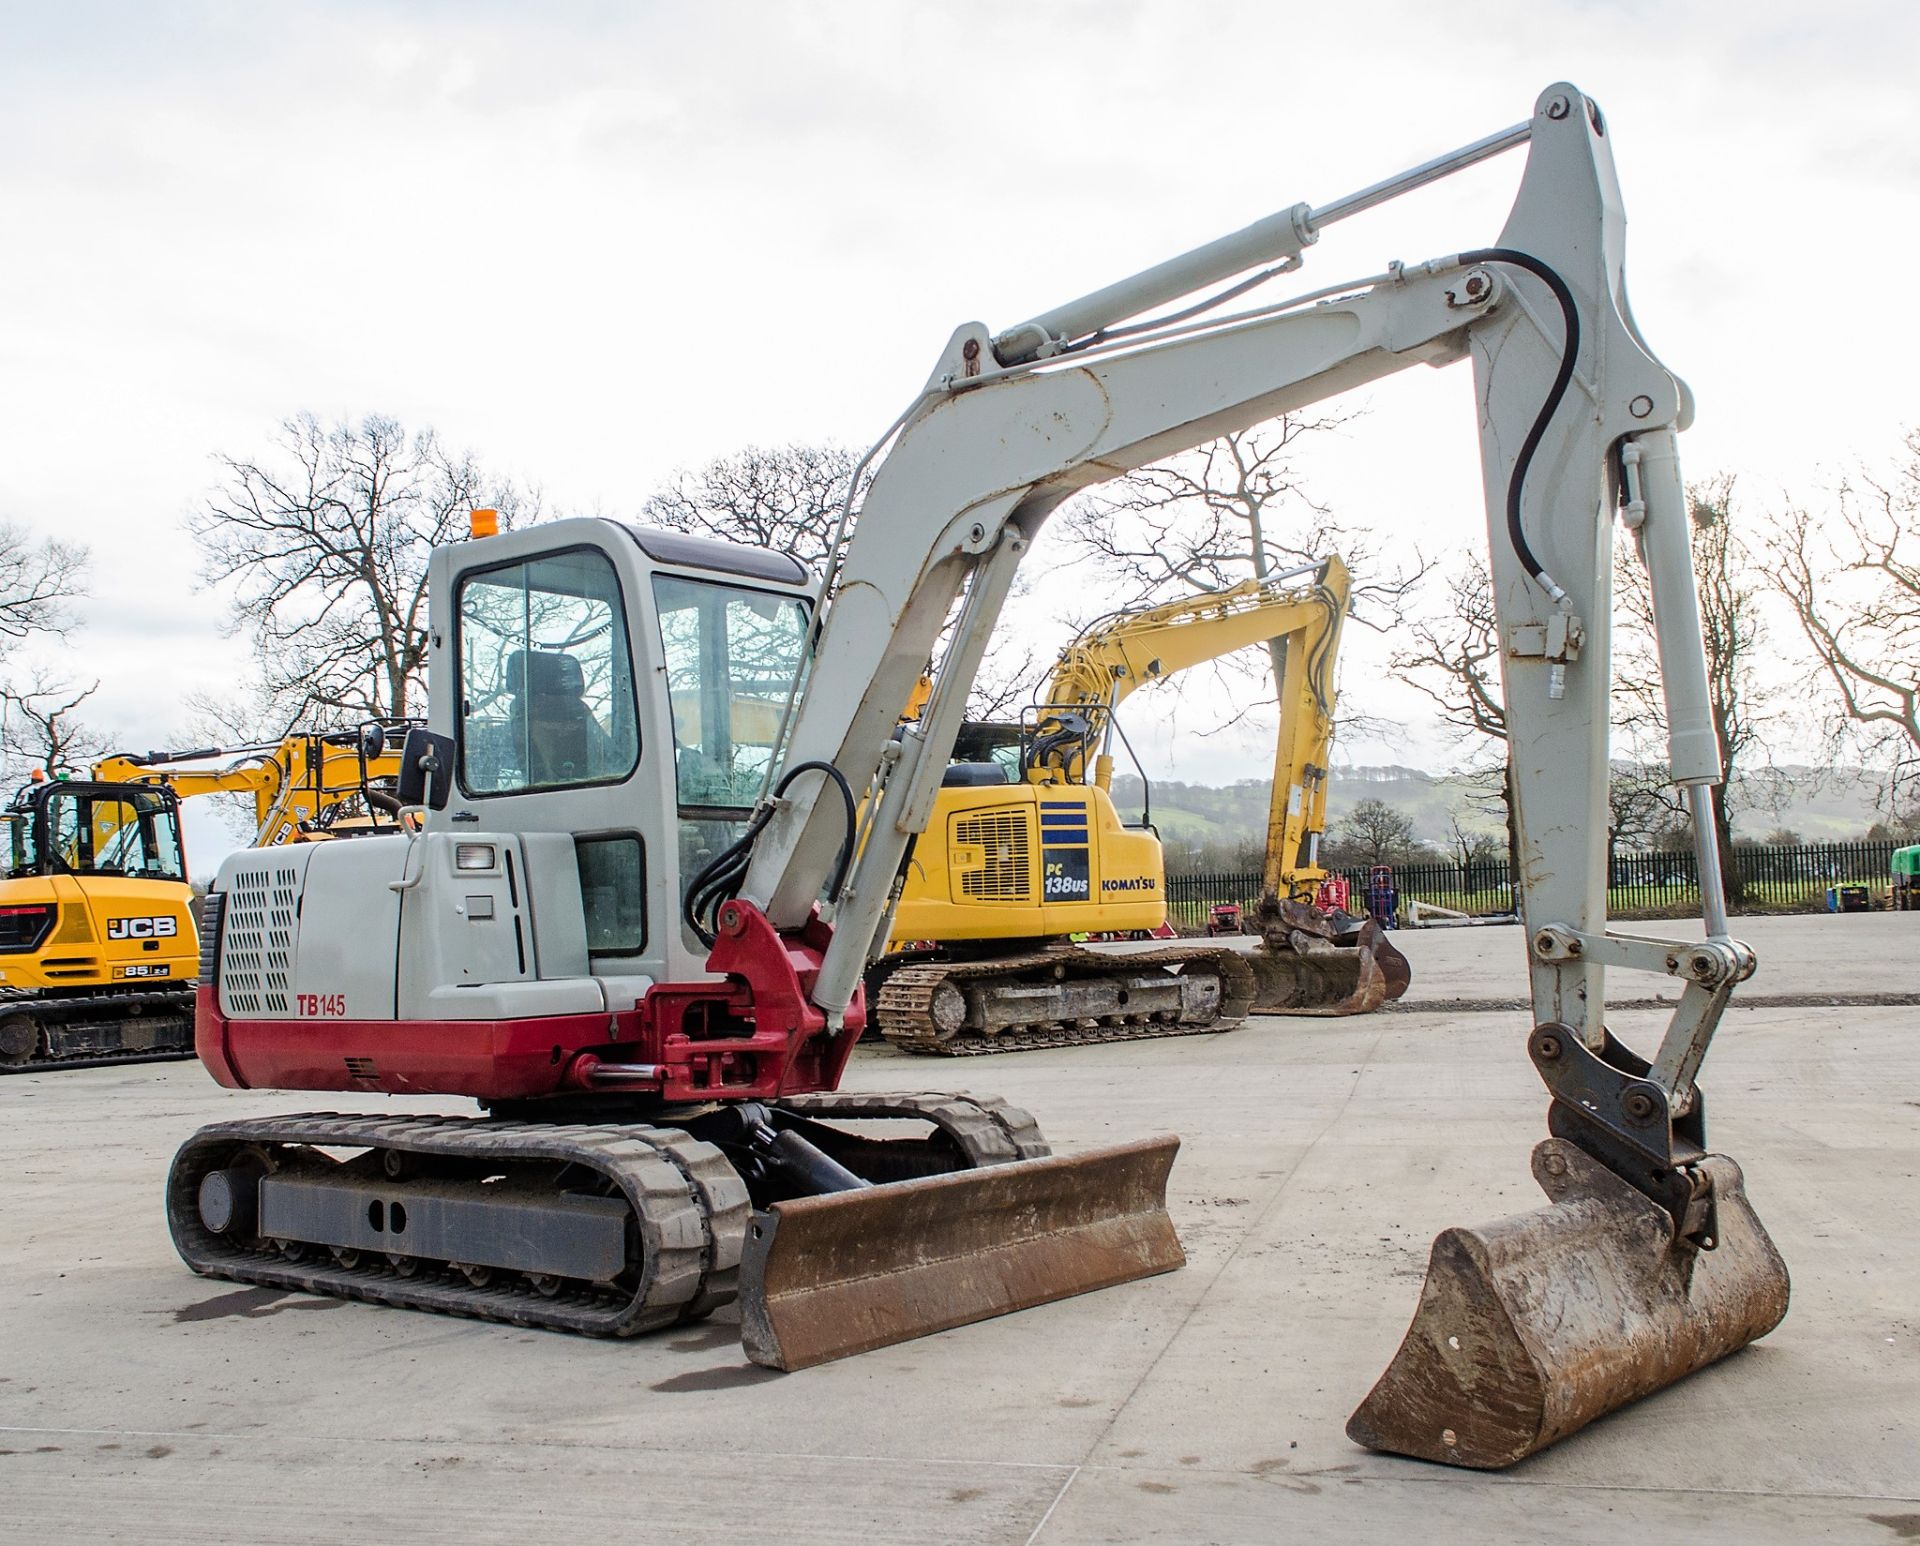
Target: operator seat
{"x": 564, "y": 742}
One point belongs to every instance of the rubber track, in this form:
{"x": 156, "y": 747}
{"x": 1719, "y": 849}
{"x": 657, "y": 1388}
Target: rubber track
{"x": 902, "y": 1008}
{"x": 690, "y": 1207}
{"x": 986, "y": 1129}
{"x": 177, "y": 1023}
{"x": 119, "y": 1060}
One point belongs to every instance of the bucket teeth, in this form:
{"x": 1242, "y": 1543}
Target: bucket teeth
{"x": 1530, "y": 1328}
{"x": 825, "y": 1277}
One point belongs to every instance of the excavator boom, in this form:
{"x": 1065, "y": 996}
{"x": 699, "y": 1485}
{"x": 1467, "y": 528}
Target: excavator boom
{"x": 298, "y": 784}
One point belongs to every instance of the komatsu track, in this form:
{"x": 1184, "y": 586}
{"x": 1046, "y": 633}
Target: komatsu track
{"x": 1063, "y": 995}
{"x": 606, "y": 1230}
{"x": 92, "y": 1030}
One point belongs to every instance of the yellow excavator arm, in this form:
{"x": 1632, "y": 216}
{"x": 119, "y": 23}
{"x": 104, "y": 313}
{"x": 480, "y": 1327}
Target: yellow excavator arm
{"x": 1300, "y": 611}
{"x": 294, "y": 782}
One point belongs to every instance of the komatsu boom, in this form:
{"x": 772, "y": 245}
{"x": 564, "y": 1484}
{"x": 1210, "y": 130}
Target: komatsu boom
{"x": 666, "y": 818}
{"x": 1025, "y": 851}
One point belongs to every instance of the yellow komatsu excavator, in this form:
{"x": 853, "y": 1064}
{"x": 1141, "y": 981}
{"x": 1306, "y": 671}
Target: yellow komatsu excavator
{"x": 98, "y": 951}
{"x": 1025, "y": 852}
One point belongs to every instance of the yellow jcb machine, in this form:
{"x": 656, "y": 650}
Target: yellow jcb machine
{"x": 1025, "y": 850}
{"x": 98, "y": 952}
{"x": 306, "y": 786}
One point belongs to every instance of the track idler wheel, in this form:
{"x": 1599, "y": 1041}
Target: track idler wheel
{"x": 19, "y": 1039}
{"x": 1530, "y": 1328}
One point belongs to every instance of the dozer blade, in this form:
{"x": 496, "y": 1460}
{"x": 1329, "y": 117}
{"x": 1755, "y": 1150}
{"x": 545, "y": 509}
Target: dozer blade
{"x": 825, "y": 1277}
{"x": 1301, "y": 972}
{"x": 1530, "y": 1328}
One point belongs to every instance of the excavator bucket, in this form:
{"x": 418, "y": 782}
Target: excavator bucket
{"x": 824, "y": 1277}
{"x": 1530, "y": 1328}
{"x": 1308, "y": 963}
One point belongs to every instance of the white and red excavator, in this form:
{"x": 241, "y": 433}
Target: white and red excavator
{"x": 666, "y": 818}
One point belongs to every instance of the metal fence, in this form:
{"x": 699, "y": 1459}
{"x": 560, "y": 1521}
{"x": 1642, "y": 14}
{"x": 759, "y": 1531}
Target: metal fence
{"x": 1763, "y": 877}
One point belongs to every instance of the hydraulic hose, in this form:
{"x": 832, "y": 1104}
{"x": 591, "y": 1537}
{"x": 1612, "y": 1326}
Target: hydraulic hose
{"x": 1569, "y": 354}
{"x": 720, "y": 879}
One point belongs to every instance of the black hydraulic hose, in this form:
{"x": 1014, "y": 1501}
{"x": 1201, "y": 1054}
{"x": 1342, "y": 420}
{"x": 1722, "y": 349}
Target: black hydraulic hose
{"x": 720, "y": 878}
{"x": 722, "y": 875}
{"x": 845, "y": 857}
{"x": 1569, "y": 355}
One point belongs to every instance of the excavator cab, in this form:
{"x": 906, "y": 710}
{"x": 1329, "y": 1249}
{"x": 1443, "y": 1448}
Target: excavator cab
{"x": 77, "y": 827}
{"x": 97, "y": 944}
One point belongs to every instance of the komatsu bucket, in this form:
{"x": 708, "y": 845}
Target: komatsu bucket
{"x": 825, "y": 1277}
{"x": 1307, "y": 964}
{"x": 1530, "y": 1328}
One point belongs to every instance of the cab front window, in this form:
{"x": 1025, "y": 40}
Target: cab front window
{"x": 100, "y": 831}
{"x": 546, "y": 678}
{"x": 732, "y": 656}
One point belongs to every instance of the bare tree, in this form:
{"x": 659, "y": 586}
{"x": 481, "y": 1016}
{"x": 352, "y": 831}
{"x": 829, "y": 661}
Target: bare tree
{"x": 1005, "y": 683}
{"x": 1642, "y": 805}
{"x": 1741, "y": 703}
{"x": 1454, "y": 659}
{"x": 785, "y": 497}
{"x": 1468, "y": 845}
{"x": 790, "y": 498}
{"x": 1373, "y": 832}
{"x": 1234, "y": 509}
{"x": 323, "y": 545}
{"x": 1854, "y": 586}
{"x": 40, "y": 579}
{"x": 38, "y": 728}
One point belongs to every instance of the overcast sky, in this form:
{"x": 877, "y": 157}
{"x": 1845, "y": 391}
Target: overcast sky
{"x": 597, "y": 242}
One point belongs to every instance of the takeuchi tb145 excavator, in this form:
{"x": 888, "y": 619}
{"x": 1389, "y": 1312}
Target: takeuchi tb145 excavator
{"x": 1025, "y": 850}
{"x": 650, "y": 975}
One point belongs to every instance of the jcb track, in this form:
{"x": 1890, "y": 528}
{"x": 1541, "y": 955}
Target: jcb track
{"x": 671, "y": 1207}
{"x": 1073, "y": 995}
{"x": 41, "y": 1032}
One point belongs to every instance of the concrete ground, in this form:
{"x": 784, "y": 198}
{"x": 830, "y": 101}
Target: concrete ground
{"x": 139, "y": 1403}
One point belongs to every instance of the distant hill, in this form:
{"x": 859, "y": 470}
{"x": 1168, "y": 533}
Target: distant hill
{"x": 1820, "y": 804}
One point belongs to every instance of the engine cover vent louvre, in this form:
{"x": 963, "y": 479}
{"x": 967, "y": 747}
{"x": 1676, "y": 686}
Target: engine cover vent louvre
{"x": 256, "y": 948}
{"x": 1006, "y": 871}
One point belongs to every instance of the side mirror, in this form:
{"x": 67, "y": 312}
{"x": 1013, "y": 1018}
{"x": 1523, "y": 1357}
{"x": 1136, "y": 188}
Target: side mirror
{"x": 426, "y": 770}
{"x": 373, "y": 740}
